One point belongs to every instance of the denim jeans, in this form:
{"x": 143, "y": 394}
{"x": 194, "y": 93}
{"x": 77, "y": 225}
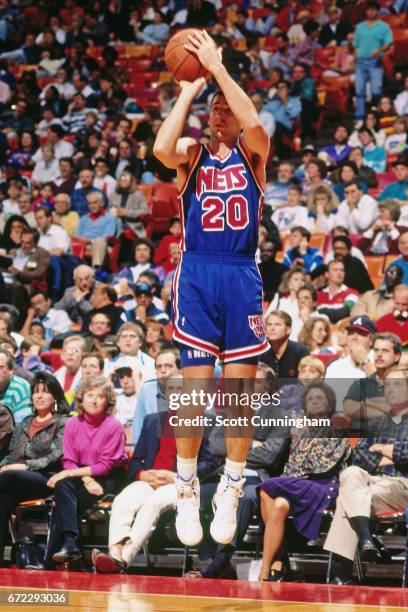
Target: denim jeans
{"x": 368, "y": 70}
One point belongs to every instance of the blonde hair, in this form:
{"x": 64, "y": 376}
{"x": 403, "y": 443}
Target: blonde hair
{"x": 314, "y": 362}
{"x": 95, "y": 382}
{"x": 284, "y": 284}
{"x": 71, "y": 339}
{"x": 332, "y": 200}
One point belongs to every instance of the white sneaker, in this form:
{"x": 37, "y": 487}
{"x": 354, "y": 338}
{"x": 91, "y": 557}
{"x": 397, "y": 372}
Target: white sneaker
{"x": 225, "y": 502}
{"x": 188, "y": 526}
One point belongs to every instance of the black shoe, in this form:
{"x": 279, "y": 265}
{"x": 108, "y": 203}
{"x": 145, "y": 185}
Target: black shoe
{"x": 368, "y": 551}
{"x": 68, "y": 553}
{"x": 276, "y": 575}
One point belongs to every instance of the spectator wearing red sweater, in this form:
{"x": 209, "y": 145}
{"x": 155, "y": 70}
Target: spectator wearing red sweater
{"x": 162, "y": 254}
{"x": 396, "y": 321}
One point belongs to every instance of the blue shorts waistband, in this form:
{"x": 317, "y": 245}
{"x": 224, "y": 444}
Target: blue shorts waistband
{"x": 220, "y": 258}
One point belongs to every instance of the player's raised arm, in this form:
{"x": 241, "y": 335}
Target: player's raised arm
{"x": 170, "y": 148}
{"x": 255, "y": 136}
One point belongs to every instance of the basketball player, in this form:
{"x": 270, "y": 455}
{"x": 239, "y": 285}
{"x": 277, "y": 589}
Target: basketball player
{"x": 217, "y": 289}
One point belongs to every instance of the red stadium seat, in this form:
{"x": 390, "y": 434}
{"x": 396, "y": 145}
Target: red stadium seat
{"x": 139, "y": 65}
{"x": 384, "y": 179}
{"x": 143, "y": 79}
{"x": 165, "y": 191}
{"x": 318, "y": 241}
{"x": 326, "y": 358}
{"x": 389, "y": 259}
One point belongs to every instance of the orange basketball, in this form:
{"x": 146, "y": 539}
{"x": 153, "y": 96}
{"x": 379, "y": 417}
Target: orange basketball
{"x": 184, "y": 65}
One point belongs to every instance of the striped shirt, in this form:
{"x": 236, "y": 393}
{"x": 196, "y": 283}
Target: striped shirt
{"x": 17, "y": 397}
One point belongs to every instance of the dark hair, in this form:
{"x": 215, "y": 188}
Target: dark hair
{"x": 373, "y": 4}
{"x": 282, "y": 315}
{"x": 353, "y": 182}
{"x": 39, "y": 292}
{"x": 310, "y": 26}
{"x": 101, "y": 361}
{"x": 310, "y": 289}
{"x": 96, "y": 314}
{"x": 327, "y": 390}
{"x": 52, "y": 385}
{"x": 366, "y": 130}
{"x": 67, "y": 160}
{"x": 296, "y": 188}
{"x": 320, "y": 164}
{"x": 45, "y": 210}
{"x": 389, "y": 337}
{"x": 110, "y": 292}
{"x": 349, "y": 164}
{"x": 302, "y": 230}
{"x": 345, "y": 240}
{"x": 9, "y": 223}
{"x": 58, "y": 130}
{"x": 34, "y": 233}
{"x": 147, "y": 243}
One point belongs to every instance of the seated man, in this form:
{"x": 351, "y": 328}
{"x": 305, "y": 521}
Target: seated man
{"x": 336, "y": 299}
{"x": 397, "y": 320}
{"x": 301, "y": 253}
{"x": 29, "y": 269}
{"x": 144, "y": 306}
{"x": 379, "y": 302}
{"x": 356, "y": 274}
{"x": 100, "y": 339}
{"x": 76, "y": 299}
{"x": 358, "y": 211}
{"x": 69, "y": 375}
{"x": 53, "y": 238}
{"x": 152, "y": 472}
{"x": 398, "y": 190}
{"x": 130, "y": 338}
{"x": 103, "y": 299}
{"x": 97, "y": 226}
{"x": 276, "y": 192}
{"x": 377, "y": 481}
{"x": 55, "y": 321}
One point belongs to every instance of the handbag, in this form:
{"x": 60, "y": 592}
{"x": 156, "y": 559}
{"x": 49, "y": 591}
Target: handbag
{"x": 28, "y": 553}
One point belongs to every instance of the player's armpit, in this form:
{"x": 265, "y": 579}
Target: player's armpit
{"x": 256, "y": 141}
{"x": 182, "y": 153}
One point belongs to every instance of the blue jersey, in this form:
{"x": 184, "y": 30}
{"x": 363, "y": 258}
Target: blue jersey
{"x": 221, "y": 205}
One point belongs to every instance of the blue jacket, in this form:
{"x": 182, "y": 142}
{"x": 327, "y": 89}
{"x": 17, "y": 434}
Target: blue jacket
{"x": 148, "y": 445}
{"x": 398, "y": 190}
{"x": 285, "y": 115}
{"x": 312, "y": 258}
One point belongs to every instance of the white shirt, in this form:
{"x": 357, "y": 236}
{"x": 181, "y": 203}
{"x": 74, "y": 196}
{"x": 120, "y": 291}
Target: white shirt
{"x": 401, "y": 103}
{"x": 45, "y": 172}
{"x": 55, "y": 321}
{"x": 268, "y": 122}
{"x": 106, "y": 184}
{"x": 142, "y": 360}
{"x": 61, "y": 149}
{"x": 361, "y": 217}
{"x": 62, "y": 372}
{"x": 55, "y": 238}
{"x": 125, "y": 408}
{"x": 287, "y": 217}
{"x": 340, "y": 373}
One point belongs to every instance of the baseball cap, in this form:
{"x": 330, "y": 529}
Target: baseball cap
{"x": 143, "y": 288}
{"x": 362, "y": 323}
{"x": 308, "y": 149}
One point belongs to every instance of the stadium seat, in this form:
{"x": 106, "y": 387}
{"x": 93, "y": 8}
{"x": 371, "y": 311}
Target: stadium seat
{"x": 384, "y": 179}
{"x": 389, "y": 259}
{"x": 318, "y": 241}
{"x": 165, "y": 191}
{"x": 375, "y": 265}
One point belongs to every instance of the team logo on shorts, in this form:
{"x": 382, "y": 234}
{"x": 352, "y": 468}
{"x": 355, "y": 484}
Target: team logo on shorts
{"x": 256, "y": 324}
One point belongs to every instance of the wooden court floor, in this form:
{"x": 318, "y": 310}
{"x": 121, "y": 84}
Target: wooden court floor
{"x": 88, "y": 592}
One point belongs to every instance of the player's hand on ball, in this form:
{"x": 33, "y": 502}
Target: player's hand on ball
{"x": 205, "y": 49}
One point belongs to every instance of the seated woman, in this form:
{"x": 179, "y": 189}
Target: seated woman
{"x": 348, "y": 171}
{"x": 316, "y": 336}
{"x": 323, "y": 209}
{"x": 309, "y": 483}
{"x": 93, "y": 460}
{"x": 286, "y": 298}
{"x": 10, "y": 239}
{"x": 374, "y": 156}
{"x": 26, "y": 147}
{"x": 35, "y": 451}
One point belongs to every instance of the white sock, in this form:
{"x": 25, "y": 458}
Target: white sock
{"x": 186, "y": 468}
{"x": 234, "y": 469}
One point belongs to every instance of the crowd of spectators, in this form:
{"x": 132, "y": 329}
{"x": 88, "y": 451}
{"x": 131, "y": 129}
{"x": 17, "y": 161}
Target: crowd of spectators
{"x": 86, "y": 353}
